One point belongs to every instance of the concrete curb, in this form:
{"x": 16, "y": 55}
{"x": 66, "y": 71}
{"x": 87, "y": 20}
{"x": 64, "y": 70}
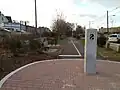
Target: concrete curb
{"x": 102, "y": 55}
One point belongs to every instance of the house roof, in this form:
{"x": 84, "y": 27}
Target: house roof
{"x": 9, "y": 18}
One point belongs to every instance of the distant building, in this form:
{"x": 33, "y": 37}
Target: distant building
{"x": 30, "y": 29}
{"x": 111, "y": 30}
{"x": 41, "y": 30}
{"x": 9, "y": 19}
{"x": 3, "y": 19}
{"x": 6, "y": 23}
{"x": 14, "y": 26}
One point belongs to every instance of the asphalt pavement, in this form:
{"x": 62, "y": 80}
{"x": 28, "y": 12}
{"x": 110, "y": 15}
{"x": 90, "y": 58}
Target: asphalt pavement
{"x": 79, "y": 46}
{"x": 72, "y": 48}
{"x": 68, "y": 48}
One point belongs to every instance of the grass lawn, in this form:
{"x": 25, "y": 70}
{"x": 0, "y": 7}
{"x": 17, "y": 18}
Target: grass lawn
{"x": 107, "y": 53}
{"x": 83, "y": 41}
{"x": 62, "y": 41}
{"x": 59, "y": 41}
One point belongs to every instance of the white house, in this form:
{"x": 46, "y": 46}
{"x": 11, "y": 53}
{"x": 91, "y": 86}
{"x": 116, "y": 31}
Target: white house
{"x": 14, "y": 26}
{"x": 3, "y": 19}
{"x": 6, "y": 23}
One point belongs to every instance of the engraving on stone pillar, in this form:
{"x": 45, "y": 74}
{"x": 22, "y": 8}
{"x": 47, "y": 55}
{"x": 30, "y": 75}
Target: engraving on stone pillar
{"x": 91, "y": 36}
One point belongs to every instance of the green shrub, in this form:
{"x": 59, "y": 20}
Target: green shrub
{"x": 101, "y": 41}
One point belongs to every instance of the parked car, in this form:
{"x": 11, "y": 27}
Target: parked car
{"x": 114, "y": 38}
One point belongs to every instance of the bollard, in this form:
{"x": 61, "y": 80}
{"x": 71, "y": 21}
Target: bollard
{"x": 90, "y": 51}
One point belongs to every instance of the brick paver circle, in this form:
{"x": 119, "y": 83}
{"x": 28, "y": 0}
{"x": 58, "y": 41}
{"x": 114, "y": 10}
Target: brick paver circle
{"x": 65, "y": 75}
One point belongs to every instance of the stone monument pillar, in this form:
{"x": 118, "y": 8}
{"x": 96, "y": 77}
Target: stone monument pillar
{"x": 90, "y": 51}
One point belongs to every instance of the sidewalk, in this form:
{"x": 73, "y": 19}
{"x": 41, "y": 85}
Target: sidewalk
{"x": 64, "y": 75}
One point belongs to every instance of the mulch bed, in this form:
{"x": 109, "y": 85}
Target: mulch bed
{"x": 11, "y": 64}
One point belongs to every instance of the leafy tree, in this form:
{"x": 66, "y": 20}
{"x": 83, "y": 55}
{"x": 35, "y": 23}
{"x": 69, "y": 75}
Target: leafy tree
{"x": 101, "y": 41}
{"x": 74, "y": 33}
{"x": 79, "y": 30}
{"x": 70, "y": 27}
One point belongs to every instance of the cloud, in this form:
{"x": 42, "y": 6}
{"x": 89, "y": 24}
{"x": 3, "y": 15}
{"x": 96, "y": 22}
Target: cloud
{"x": 88, "y": 15}
{"x": 18, "y": 9}
{"x": 47, "y": 10}
{"x": 107, "y": 3}
{"x": 78, "y": 11}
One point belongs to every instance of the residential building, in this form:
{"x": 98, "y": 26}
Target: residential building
{"x": 14, "y": 26}
{"x": 30, "y": 29}
{"x": 9, "y": 19}
{"x": 6, "y": 23}
{"x": 40, "y": 30}
{"x": 111, "y": 30}
{"x": 43, "y": 29}
{"x": 3, "y": 19}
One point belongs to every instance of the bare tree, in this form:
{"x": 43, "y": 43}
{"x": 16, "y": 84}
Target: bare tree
{"x": 61, "y": 26}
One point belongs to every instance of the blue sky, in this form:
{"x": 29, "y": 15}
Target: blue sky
{"x": 77, "y": 11}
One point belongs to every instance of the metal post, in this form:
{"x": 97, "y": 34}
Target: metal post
{"x": 107, "y": 23}
{"x": 20, "y": 25}
{"x": 89, "y": 23}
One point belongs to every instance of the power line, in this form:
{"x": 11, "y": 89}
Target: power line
{"x": 103, "y": 16}
{"x": 117, "y": 12}
{"x": 100, "y": 17}
{"x": 114, "y": 9}
{"x": 109, "y": 12}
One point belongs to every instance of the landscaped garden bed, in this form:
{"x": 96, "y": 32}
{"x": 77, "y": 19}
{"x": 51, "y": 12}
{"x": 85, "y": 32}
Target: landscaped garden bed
{"x": 17, "y": 52}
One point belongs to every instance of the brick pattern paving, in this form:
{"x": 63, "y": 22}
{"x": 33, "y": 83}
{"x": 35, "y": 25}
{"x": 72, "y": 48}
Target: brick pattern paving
{"x": 65, "y": 75}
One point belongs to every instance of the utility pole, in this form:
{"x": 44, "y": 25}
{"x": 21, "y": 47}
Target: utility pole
{"x": 89, "y": 24}
{"x": 20, "y": 25}
{"x": 107, "y": 23}
{"x": 35, "y": 17}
